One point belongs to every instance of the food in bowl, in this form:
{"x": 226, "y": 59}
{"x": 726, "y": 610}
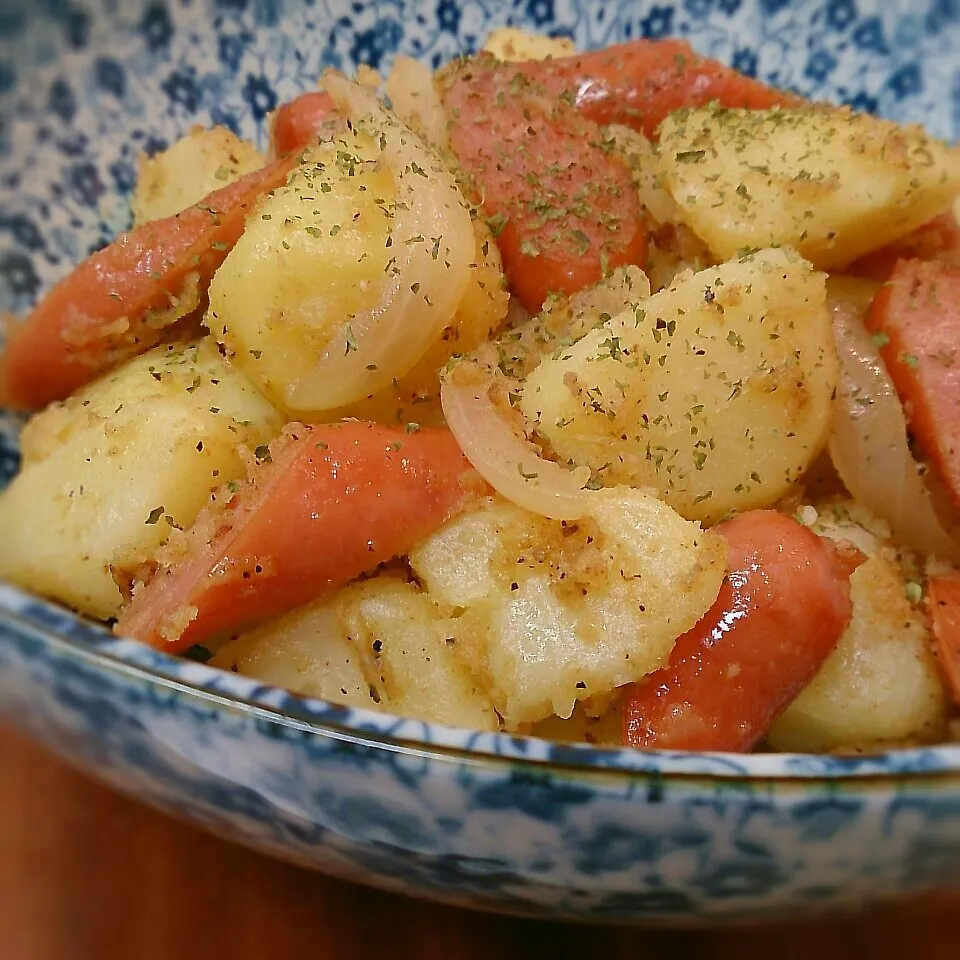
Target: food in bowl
{"x": 601, "y": 396}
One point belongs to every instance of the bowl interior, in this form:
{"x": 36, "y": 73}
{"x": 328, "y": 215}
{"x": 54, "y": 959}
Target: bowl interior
{"x": 85, "y": 88}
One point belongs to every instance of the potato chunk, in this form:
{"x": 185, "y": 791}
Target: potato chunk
{"x": 381, "y": 638}
{"x": 715, "y": 392}
{"x": 109, "y": 473}
{"x": 510, "y": 43}
{"x": 880, "y": 686}
{"x": 306, "y": 651}
{"x": 313, "y": 255}
{"x": 548, "y": 613}
{"x": 829, "y": 182}
{"x": 346, "y": 277}
{"x": 409, "y": 647}
{"x": 183, "y": 174}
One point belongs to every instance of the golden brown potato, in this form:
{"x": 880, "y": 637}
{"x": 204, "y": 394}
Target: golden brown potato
{"x": 346, "y": 277}
{"x": 380, "y": 644}
{"x": 831, "y": 183}
{"x": 183, "y": 174}
{"x": 111, "y": 472}
{"x": 716, "y": 392}
{"x": 314, "y": 254}
{"x": 410, "y": 653}
{"x": 550, "y": 612}
{"x": 509, "y": 43}
{"x": 306, "y": 651}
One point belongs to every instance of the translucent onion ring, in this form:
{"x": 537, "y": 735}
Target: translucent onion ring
{"x": 868, "y": 441}
{"x": 415, "y": 100}
{"x": 507, "y": 461}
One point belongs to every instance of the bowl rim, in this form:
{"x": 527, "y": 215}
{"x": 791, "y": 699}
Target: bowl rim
{"x": 61, "y": 632}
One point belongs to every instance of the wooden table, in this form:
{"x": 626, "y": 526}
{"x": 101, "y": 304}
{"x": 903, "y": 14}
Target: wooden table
{"x": 86, "y": 874}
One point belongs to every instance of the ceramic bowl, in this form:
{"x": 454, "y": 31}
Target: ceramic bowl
{"x": 482, "y": 820}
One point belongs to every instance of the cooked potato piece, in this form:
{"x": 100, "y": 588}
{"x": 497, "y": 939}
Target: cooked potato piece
{"x": 509, "y": 43}
{"x": 880, "y": 687}
{"x": 381, "y": 644}
{"x": 549, "y": 613}
{"x": 409, "y": 646}
{"x": 111, "y": 471}
{"x": 314, "y": 254}
{"x": 673, "y": 246}
{"x": 829, "y": 182}
{"x": 715, "y": 392}
{"x": 306, "y": 651}
{"x": 347, "y": 276}
{"x": 644, "y": 161}
{"x": 182, "y": 175}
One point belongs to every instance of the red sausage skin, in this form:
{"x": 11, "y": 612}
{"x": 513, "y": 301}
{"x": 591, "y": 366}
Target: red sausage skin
{"x": 296, "y": 124}
{"x": 781, "y": 610}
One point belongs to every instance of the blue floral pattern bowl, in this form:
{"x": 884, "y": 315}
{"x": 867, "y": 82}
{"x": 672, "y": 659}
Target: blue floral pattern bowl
{"x": 482, "y": 820}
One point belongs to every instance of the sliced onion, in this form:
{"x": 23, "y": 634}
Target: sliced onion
{"x": 868, "y": 440}
{"x": 415, "y": 100}
{"x": 506, "y": 461}
{"x": 434, "y": 242}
